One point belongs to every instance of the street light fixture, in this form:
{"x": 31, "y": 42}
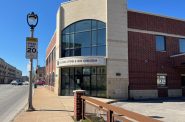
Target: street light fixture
{"x": 32, "y": 20}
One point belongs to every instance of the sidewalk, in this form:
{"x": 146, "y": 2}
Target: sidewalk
{"x": 49, "y": 108}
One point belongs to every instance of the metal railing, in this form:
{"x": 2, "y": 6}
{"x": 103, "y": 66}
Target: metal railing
{"x": 102, "y": 112}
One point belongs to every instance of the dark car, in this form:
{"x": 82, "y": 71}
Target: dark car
{"x": 19, "y": 83}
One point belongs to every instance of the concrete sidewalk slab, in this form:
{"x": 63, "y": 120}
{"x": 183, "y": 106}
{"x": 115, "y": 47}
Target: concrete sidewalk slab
{"x": 49, "y": 108}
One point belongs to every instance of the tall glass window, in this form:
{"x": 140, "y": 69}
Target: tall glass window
{"x": 182, "y": 45}
{"x": 160, "y": 43}
{"x": 91, "y": 79}
{"x": 84, "y": 38}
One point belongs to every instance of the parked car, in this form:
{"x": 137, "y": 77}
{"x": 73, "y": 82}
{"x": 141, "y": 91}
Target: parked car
{"x": 16, "y": 82}
{"x": 19, "y": 83}
{"x": 40, "y": 82}
{"x": 25, "y": 83}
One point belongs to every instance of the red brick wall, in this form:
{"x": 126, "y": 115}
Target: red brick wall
{"x": 145, "y": 62}
{"x": 51, "y": 45}
{"x": 179, "y": 61}
{"x": 51, "y": 66}
{"x": 155, "y": 23}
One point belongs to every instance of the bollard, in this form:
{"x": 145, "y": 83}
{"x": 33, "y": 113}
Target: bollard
{"x": 78, "y": 104}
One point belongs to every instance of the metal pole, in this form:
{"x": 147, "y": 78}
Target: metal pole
{"x": 30, "y": 106}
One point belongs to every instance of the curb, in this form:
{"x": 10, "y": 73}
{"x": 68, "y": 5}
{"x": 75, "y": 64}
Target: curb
{"x": 22, "y": 108}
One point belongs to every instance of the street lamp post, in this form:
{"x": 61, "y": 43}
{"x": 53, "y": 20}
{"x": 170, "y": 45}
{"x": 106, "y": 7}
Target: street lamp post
{"x": 32, "y": 20}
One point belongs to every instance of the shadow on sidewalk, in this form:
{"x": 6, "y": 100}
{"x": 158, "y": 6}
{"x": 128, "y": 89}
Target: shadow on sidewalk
{"x": 53, "y": 110}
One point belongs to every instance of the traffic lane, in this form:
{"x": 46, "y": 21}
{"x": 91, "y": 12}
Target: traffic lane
{"x": 12, "y": 100}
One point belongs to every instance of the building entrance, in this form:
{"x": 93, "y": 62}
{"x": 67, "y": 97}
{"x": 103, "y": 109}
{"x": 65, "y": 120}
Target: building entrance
{"x": 90, "y": 79}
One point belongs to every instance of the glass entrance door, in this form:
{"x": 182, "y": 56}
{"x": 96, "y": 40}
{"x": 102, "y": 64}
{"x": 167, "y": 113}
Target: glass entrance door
{"x": 86, "y": 84}
{"x": 90, "y": 79}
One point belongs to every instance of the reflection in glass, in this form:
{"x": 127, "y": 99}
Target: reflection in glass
{"x": 78, "y": 71}
{"x": 160, "y": 43}
{"x": 94, "y": 24}
{"x": 91, "y": 79}
{"x": 77, "y": 52}
{"x": 94, "y": 38}
{"x": 101, "y": 37}
{"x": 93, "y": 85}
{"x": 93, "y": 70}
{"x": 101, "y": 50}
{"x": 83, "y": 25}
{"x": 86, "y": 85}
{"x": 101, "y": 25}
{"x": 83, "y": 39}
{"x": 182, "y": 45}
{"x": 71, "y": 41}
{"x": 71, "y": 71}
{"x": 83, "y": 35}
{"x": 72, "y": 84}
{"x": 65, "y": 81}
{"x": 101, "y": 85}
{"x": 86, "y": 71}
{"x": 94, "y": 51}
{"x": 85, "y": 51}
{"x": 72, "y": 29}
{"x": 66, "y": 30}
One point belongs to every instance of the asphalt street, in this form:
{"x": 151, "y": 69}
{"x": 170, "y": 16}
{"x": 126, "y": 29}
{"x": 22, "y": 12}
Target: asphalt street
{"x": 12, "y": 100}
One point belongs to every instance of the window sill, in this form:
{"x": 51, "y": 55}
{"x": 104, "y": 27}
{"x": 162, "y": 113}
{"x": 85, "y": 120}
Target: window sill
{"x": 164, "y": 87}
{"x": 161, "y": 51}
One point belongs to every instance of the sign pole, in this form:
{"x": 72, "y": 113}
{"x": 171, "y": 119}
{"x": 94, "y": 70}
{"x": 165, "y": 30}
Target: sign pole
{"x": 30, "y": 106}
{"x": 31, "y": 53}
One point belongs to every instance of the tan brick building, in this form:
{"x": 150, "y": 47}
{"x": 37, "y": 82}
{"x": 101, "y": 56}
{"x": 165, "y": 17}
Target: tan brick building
{"x": 102, "y": 47}
{"x": 8, "y": 72}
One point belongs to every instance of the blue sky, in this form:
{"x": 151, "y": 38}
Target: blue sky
{"x": 14, "y": 29}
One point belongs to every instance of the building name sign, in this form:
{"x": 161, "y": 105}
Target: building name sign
{"x": 81, "y": 61}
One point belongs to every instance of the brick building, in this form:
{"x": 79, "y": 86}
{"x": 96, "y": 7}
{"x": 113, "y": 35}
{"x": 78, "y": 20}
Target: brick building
{"x": 8, "y": 72}
{"x": 51, "y": 63}
{"x": 41, "y": 73}
{"x": 137, "y": 55}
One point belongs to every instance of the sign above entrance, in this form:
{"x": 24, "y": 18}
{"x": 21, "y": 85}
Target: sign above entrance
{"x": 81, "y": 61}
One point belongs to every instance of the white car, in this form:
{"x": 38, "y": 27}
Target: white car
{"x": 14, "y": 82}
{"x": 25, "y": 83}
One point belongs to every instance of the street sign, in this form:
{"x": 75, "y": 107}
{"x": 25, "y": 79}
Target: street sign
{"x": 31, "y": 48}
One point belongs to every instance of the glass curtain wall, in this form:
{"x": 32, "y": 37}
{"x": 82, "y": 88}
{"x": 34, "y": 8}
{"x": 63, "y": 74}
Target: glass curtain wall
{"x": 84, "y": 38}
{"x": 91, "y": 79}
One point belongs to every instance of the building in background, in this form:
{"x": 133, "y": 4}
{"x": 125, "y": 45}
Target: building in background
{"x": 41, "y": 73}
{"x": 51, "y": 63}
{"x": 2, "y": 70}
{"x": 102, "y": 47}
{"x": 18, "y": 74}
{"x": 25, "y": 78}
{"x": 8, "y": 72}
